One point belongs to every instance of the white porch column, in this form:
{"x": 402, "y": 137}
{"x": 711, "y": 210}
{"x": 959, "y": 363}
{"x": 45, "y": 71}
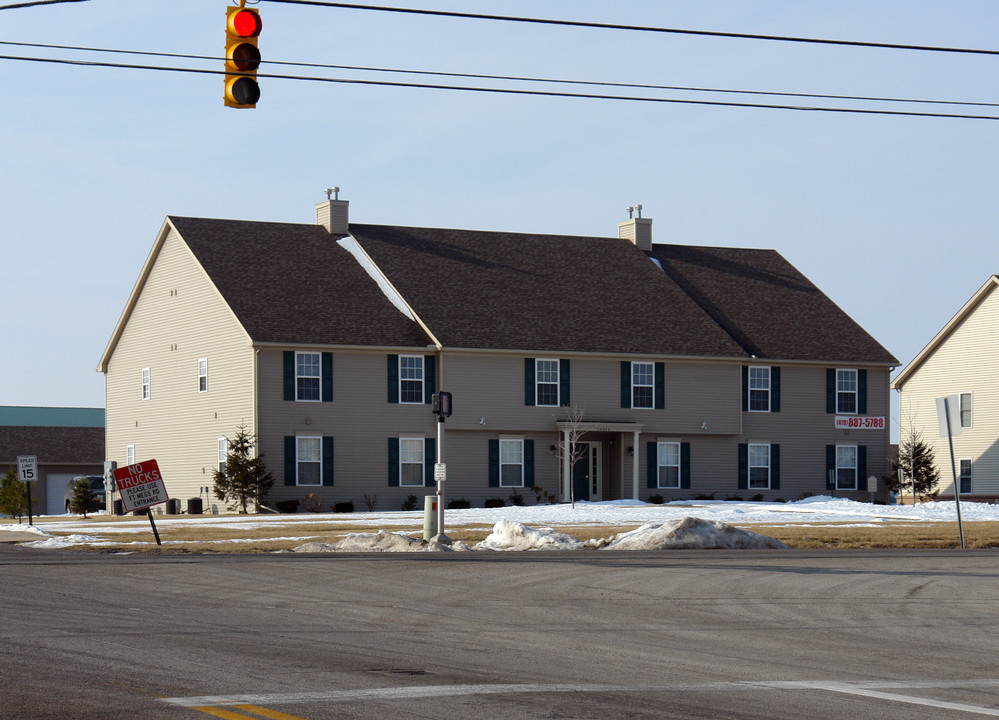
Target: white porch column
{"x": 566, "y": 467}
{"x": 634, "y": 466}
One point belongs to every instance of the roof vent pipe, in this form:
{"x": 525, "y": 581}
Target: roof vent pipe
{"x": 332, "y": 214}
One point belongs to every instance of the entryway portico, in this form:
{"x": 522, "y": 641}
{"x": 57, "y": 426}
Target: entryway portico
{"x": 610, "y": 445}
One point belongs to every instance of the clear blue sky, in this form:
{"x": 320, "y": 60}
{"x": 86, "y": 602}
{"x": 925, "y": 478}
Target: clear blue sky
{"x": 893, "y": 217}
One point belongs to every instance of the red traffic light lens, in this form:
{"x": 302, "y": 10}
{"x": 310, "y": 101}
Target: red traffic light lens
{"x": 245, "y": 23}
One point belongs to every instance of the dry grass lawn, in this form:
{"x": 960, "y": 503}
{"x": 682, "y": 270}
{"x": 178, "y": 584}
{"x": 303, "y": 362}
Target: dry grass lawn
{"x": 277, "y": 533}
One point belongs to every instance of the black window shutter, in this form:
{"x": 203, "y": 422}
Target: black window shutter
{"x": 775, "y": 389}
{"x": 625, "y": 384}
{"x": 289, "y": 374}
{"x": 660, "y": 389}
{"x": 830, "y": 467}
{"x": 529, "y": 396}
{"x": 393, "y": 462}
{"x": 831, "y": 390}
{"x": 494, "y": 468}
{"x": 327, "y": 377}
{"x": 290, "y": 460}
{"x": 743, "y": 466}
{"x": 327, "y": 461}
{"x": 652, "y": 464}
{"x": 429, "y": 378}
{"x": 393, "y": 379}
{"x": 563, "y": 383}
{"x": 745, "y": 388}
{"x": 775, "y": 467}
{"x": 861, "y": 392}
{"x": 861, "y": 467}
{"x": 528, "y": 463}
{"x": 685, "y": 465}
{"x": 429, "y": 458}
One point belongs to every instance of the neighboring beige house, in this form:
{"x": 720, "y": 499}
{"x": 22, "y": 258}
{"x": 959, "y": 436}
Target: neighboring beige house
{"x": 699, "y": 371}
{"x": 962, "y": 360}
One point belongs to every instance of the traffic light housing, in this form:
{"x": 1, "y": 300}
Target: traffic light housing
{"x": 242, "y": 58}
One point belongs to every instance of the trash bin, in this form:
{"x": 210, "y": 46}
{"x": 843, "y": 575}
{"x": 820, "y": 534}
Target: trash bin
{"x": 173, "y": 506}
{"x": 194, "y": 506}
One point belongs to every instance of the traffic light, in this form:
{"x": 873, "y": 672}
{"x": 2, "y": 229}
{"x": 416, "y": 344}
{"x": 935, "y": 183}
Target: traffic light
{"x": 242, "y": 58}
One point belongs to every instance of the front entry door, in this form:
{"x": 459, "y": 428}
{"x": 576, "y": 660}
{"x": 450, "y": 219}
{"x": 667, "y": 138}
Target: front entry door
{"x": 586, "y": 473}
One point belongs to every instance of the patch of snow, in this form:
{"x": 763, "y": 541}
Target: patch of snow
{"x": 692, "y": 533}
{"x": 509, "y": 535}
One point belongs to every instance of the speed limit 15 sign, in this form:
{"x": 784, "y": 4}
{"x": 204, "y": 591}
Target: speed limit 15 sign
{"x": 27, "y": 468}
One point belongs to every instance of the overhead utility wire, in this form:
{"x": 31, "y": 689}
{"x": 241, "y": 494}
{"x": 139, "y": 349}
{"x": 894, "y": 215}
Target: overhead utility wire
{"x": 639, "y": 28}
{"x": 36, "y": 2}
{"x": 513, "y": 91}
{"x": 515, "y": 78}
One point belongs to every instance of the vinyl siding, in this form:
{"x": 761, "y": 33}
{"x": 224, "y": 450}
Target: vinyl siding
{"x": 178, "y": 318}
{"x": 966, "y": 361}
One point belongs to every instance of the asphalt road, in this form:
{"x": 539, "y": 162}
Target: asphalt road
{"x": 682, "y": 634}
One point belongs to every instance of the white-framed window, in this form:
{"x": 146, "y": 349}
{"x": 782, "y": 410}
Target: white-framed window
{"x": 759, "y": 389}
{"x": 965, "y": 402}
{"x": 203, "y": 375}
{"x": 669, "y": 464}
{"x": 411, "y": 379}
{"x": 846, "y": 467}
{"x": 759, "y": 466}
{"x": 643, "y": 382}
{"x": 223, "y": 448}
{"x": 846, "y": 392}
{"x": 546, "y": 381}
{"x": 309, "y": 460}
{"x": 130, "y": 454}
{"x": 411, "y": 461}
{"x": 145, "y": 383}
{"x": 964, "y": 476}
{"x": 511, "y": 462}
{"x": 308, "y": 376}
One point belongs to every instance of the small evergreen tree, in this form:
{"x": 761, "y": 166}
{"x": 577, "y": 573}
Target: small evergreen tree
{"x": 244, "y": 479}
{"x": 13, "y": 499}
{"x": 83, "y": 499}
{"x": 916, "y": 459}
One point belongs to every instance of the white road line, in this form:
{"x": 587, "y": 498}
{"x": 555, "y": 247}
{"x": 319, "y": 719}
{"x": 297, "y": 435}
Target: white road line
{"x": 942, "y": 704}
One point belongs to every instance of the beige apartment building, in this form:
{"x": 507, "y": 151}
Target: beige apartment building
{"x": 960, "y": 361}
{"x": 692, "y": 371}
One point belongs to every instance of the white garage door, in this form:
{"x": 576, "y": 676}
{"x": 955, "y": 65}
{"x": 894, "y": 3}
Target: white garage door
{"x": 55, "y": 492}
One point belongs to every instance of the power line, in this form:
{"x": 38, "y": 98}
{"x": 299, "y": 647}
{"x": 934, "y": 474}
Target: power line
{"x": 516, "y": 78}
{"x": 37, "y": 2}
{"x": 639, "y": 28}
{"x": 515, "y": 91}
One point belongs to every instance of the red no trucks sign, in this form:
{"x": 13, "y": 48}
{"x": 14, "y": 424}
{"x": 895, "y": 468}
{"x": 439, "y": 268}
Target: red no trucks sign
{"x": 140, "y": 485}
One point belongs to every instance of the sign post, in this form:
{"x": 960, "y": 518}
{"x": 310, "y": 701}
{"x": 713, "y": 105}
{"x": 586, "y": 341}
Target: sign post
{"x": 27, "y": 470}
{"x": 441, "y": 406}
{"x": 140, "y": 487}
{"x": 948, "y": 409}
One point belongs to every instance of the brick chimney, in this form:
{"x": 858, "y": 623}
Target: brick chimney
{"x": 332, "y": 214}
{"x": 636, "y": 229}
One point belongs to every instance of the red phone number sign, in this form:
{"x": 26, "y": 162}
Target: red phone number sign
{"x": 140, "y": 485}
{"x": 859, "y": 422}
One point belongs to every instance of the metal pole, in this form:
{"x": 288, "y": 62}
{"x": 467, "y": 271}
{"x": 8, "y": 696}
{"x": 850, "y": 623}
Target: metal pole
{"x": 953, "y": 472}
{"x": 149, "y": 512}
{"x": 27, "y": 488}
{"x": 440, "y": 482}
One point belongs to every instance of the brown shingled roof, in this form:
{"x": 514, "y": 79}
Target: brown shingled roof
{"x": 497, "y": 290}
{"x": 291, "y": 283}
{"x": 767, "y": 306}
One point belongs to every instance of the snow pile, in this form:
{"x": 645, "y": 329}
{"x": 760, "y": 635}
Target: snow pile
{"x": 692, "y": 533}
{"x": 53, "y": 542}
{"x": 380, "y": 541}
{"x": 24, "y": 529}
{"x": 508, "y": 535}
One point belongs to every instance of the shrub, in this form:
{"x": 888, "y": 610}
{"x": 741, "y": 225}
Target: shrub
{"x": 370, "y": 501}
{"x": 410, "y": 503}
{"x": 704, "y": 496}
{"x": 343, "y": 507}
{"x": 780, "y": 500}
{"x": 656, "y": 499}
{"x": 494, "y": 502}
{"x": 312, "y": 503}
{"x": 517, "y": 500}
{"x": 758, "y": 497}
{"x": 735, "y": 498}
{"x": 287, "y": 506}
{"x": 540, "y": 493}
{"x": 459, "y": 504}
